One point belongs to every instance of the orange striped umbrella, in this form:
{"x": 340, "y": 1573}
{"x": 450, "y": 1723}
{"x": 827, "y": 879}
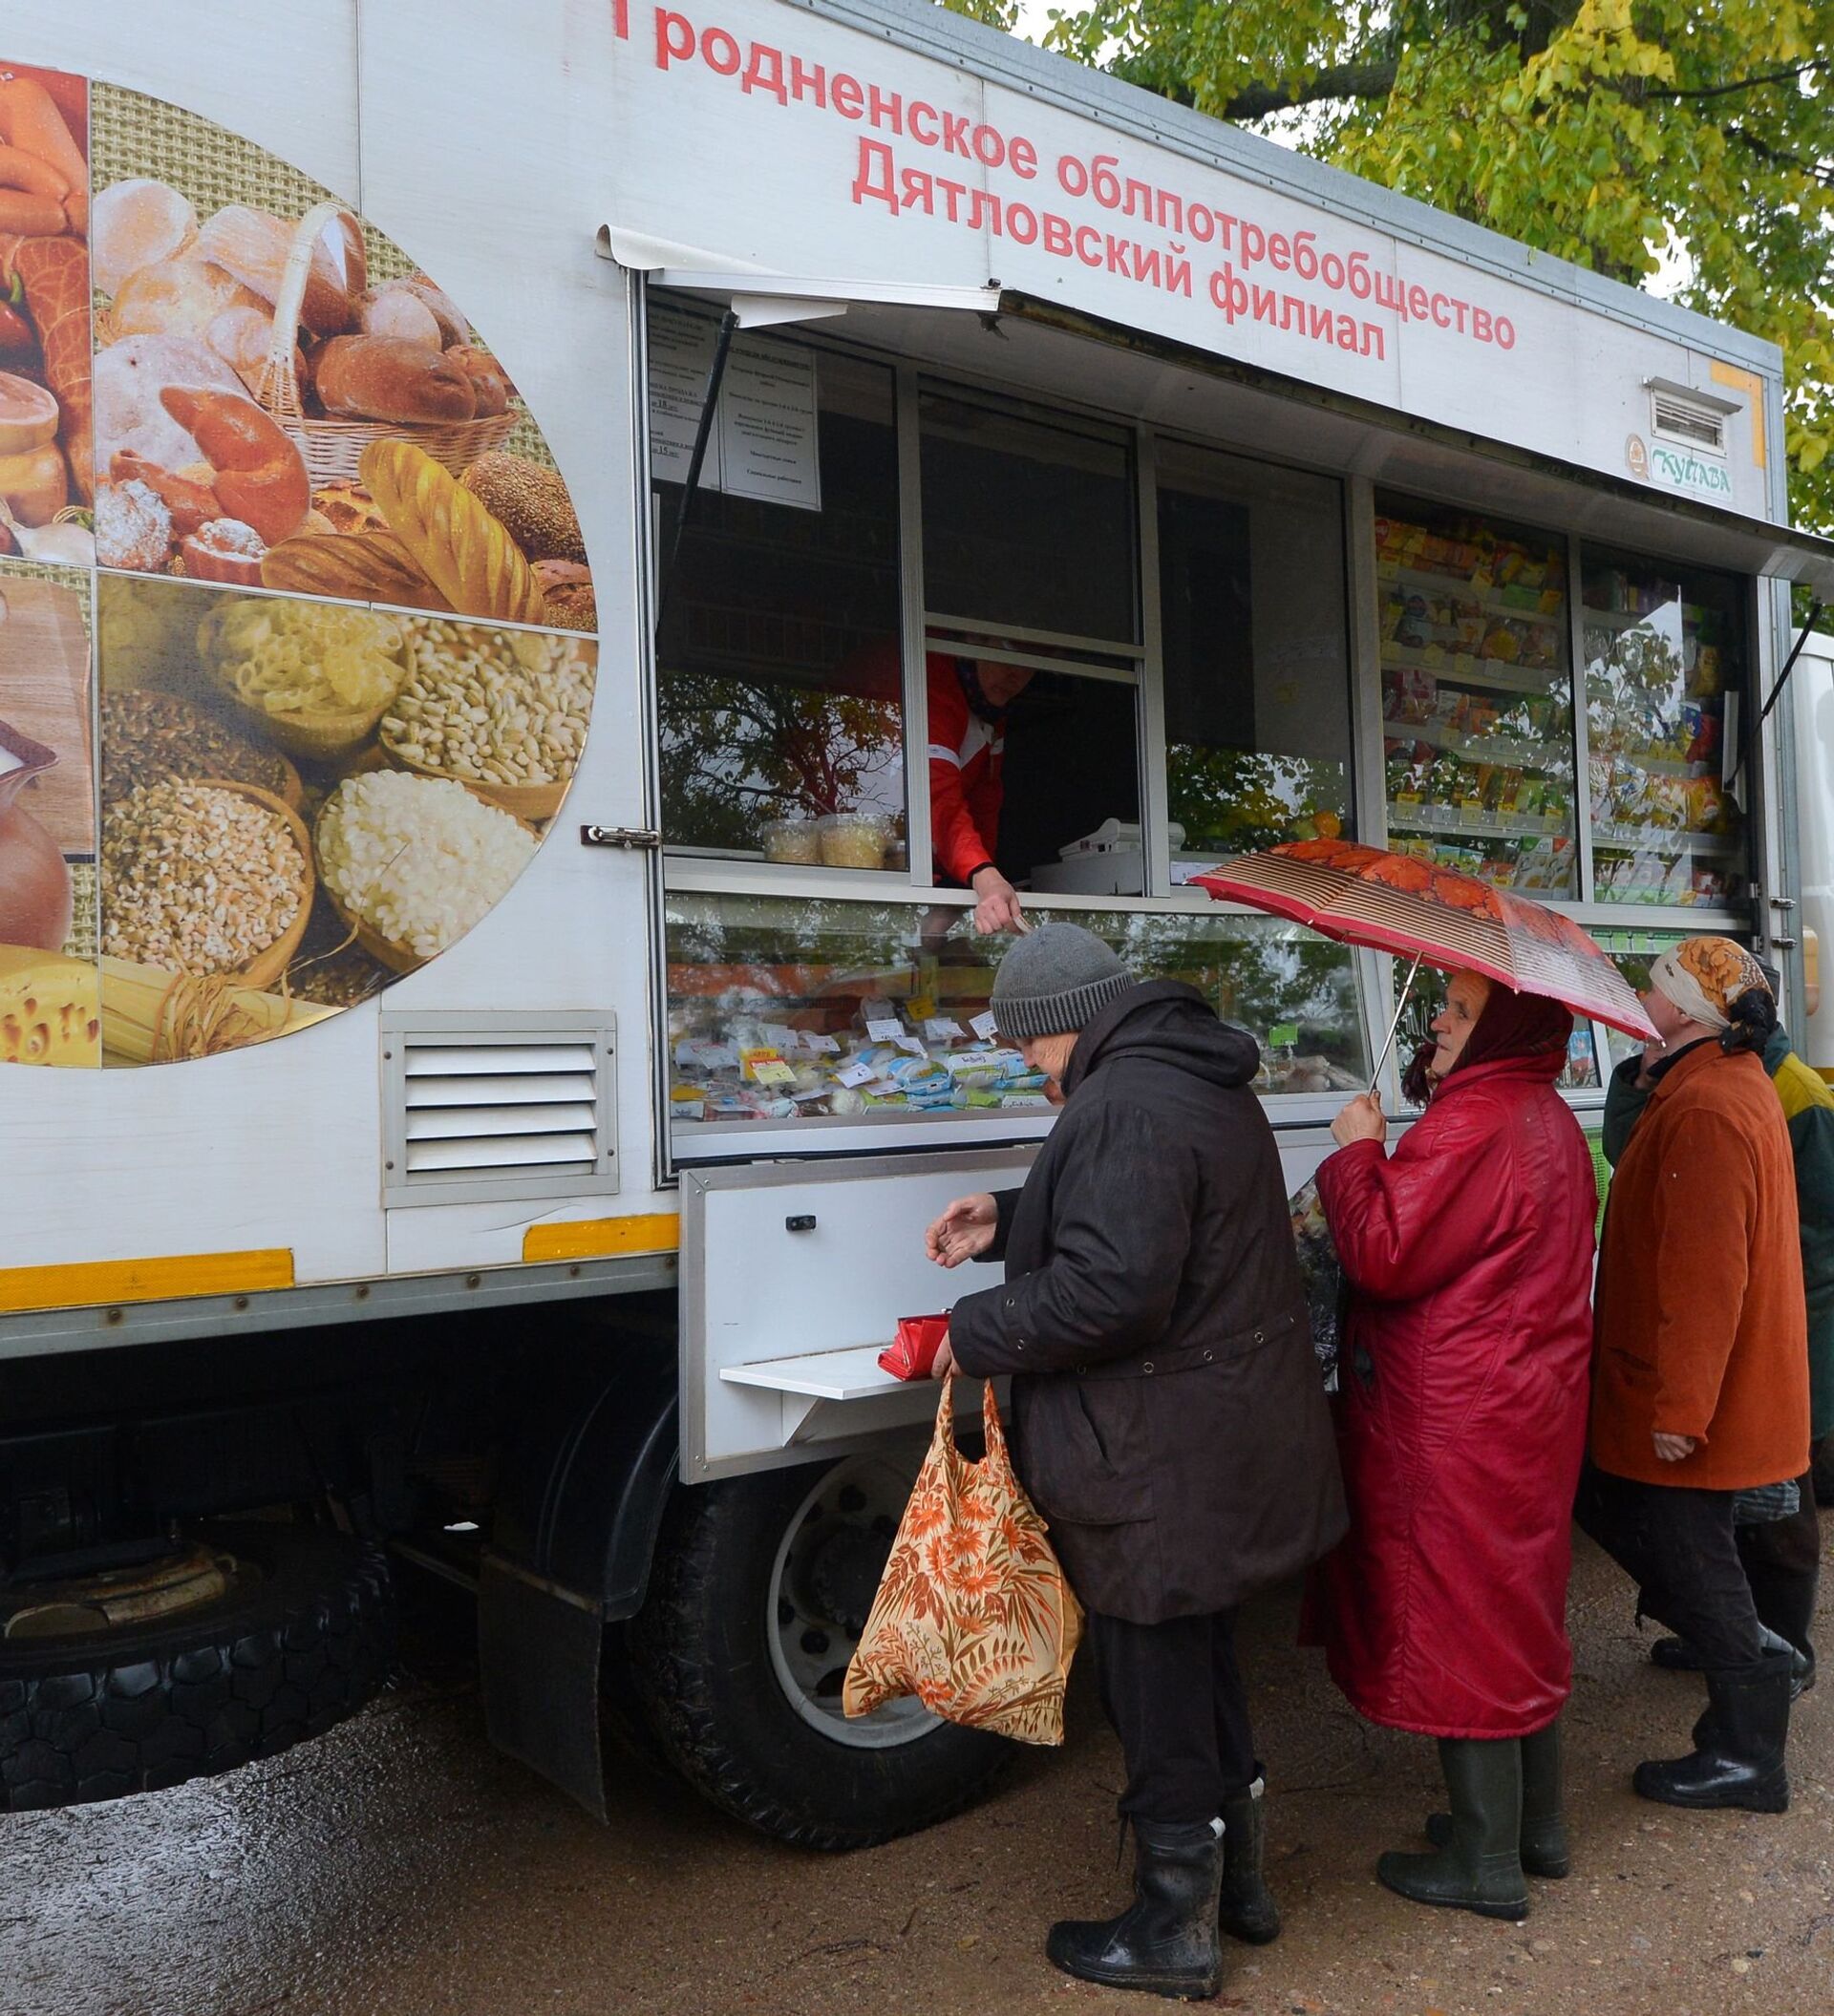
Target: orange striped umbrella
{"x": 1397, "y": 902}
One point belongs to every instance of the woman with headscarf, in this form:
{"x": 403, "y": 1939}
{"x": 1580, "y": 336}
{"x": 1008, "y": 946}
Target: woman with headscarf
{"x": 1700, "y": 1391}
{"x": 1461, "y": 1426}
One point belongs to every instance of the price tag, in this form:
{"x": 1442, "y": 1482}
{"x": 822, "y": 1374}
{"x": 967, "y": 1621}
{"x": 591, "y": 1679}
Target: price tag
{"x": 772, "y": 1071}
{"x": 820, "y": 1045}
{"x": 885, "y": 1030}
{"x": 986, "y": 1027}
{"x": 1283, "y": 1036}
{"x": 941, "y": 1029}
{"x": 853, "y": 1075}
{"x": 815, "y": 1091}
{"x": 778, "y": 1035}
{"x": 911, "y": 1044}
{"x": 919, "y": 1007}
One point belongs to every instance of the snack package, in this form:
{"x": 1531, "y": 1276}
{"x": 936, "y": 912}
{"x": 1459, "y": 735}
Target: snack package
{"x": 912, "y": 1350}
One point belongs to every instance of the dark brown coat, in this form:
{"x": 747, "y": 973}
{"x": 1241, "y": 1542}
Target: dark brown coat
{"x": 1168, "y": 1417}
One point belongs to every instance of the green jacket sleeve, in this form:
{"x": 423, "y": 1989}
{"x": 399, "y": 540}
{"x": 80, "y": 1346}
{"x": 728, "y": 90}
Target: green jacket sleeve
{"x": 1811, "y": 1134}
{"x": 1624, "y": 1102}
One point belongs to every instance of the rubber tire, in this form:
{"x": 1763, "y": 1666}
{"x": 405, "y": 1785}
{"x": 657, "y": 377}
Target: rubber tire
{"x": 97, "y": 1717}
{"x": 701, "y": 1663}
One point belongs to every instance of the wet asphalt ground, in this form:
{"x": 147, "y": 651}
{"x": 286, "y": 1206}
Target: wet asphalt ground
{"x": 403, "y": 1868}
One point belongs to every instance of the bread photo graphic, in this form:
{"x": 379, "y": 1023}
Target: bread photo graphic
{"x": 253, "y": 245}
{"x": 471, "y": 558}
{"x": 391, "y": 379}
{"x": 532, "y": 502}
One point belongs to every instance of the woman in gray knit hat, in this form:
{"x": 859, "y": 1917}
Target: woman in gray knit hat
{"x": 1167, "y": 1415}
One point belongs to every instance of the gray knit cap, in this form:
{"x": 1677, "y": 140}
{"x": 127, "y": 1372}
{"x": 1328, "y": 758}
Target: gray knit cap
{"x": 1055, "y": 979}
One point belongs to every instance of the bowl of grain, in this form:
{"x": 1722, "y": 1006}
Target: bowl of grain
{"x": 412, "y": 862}
{"x": 313, "y": 677}
{"x": 504, "y": 712}
{"x": 148, "y": 736}
{"x": 205, "y": 877}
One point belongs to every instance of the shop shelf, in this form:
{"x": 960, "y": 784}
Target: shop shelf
{"x": 852, "y": 1373}
{"x": 1484, "y": 749}
{"x": 1481, "y": 825}
{"x": 1466, "y": 589}
{"x": 1464, "y": 669}
{"x": 1628, "y": 619}
{"x": 1664, "y": 839}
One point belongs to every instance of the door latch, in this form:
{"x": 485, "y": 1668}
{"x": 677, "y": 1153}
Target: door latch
{"x": 626, "y": 837}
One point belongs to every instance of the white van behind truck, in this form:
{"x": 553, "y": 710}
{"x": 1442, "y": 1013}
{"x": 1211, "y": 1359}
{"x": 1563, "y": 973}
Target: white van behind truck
{"x": 515, "y": 517}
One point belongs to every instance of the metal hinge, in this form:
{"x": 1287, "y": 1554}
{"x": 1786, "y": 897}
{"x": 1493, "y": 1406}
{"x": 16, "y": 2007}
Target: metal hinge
{"x": 619, "y": 836}
{"x": 1782, "y": 902}
{"x": 1785, "y": 945}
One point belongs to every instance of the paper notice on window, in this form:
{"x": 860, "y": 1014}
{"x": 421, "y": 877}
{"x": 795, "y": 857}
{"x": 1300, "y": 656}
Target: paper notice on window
{"x": 767, "y": 429}
{"x": 681, "y": 355}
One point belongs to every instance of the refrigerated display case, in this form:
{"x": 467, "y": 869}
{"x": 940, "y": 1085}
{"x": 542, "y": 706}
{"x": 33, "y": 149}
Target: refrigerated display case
{"x": 1477, "y": 695}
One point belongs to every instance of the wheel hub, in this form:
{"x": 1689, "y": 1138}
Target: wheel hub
{"x": 119, "y": 1598}
{"x": 843, "y": 1574}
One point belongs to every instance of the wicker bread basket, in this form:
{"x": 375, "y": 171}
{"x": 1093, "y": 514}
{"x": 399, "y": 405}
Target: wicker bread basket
{"x": 331, "y": 449}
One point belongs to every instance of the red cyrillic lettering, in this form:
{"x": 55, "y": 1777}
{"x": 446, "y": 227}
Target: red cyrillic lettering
{"x": 983, "y": 210}
{"x": 849, "y": 99}
{"x": 1457, "y": 313}
{"x": 674, "y": 38}
{"x": 719, "y": 52}
{"x": 1225, "y": 225}
{"x": 1266, "y": 303}
{"x": 1228, "y": 292}
{"x": 1481, "y": 325}
{"x": 1346, "y": 332}
{"x": 956, "y": 139}
{"x": 816, "y": 80}
{"x": 1292, "y": 312}
{"x": 1200, "y": 222}
{"x": 1171, "y": 211}
{"x": 621, "y": 19}
{"x": 928, "y": 113}
{"x": 1279, "y": 252}
{"x": 883, "y": 111}
{"x": 1021, "y": 224}
{"x": 1177, "y": 276}
{"x": 1320, "y": 323}
{"x": 1304, "y": 255}
{"x": 1416, "y": 303}
{"x": 875, "y": 160}
{"x": 1073, "y": 178}
{"x": 951, "y": 192}
{"x": 1146, "y": 265}
{"x": 1022, "y": 158}
{"x": 1391, "y": 294}
{"x": 1359, "y": 272}
{"x": 1119, "y": 258}
{"x": 1505, "y": 333}
{"x": 1088, "y": 242}
{"x": 1102, "y": 170}
{"x": 753, "y": 79}
{"x": 1371, "y": 341}
{"x": 1254, "y": 245}
{"x": 989, "y": 147}
{"x": 1325, "y": 265}
{"x": 1136, "y": 199}
{"x": 920, "y": 191}
{"x": 1440, "y": 320}
{"x": 1058, "y": 241}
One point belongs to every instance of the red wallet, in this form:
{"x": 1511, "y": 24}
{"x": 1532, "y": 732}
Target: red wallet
{"x": 912, "y": 1353}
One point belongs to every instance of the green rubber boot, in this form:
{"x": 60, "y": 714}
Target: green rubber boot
{"x": 1480, "y": 1868}
{"x": 1543, "y": 1817}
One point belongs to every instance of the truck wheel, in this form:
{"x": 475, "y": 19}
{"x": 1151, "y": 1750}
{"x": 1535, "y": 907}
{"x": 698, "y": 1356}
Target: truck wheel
{"x": 760, "y": 1592}
{"x": 295, "y": 1630}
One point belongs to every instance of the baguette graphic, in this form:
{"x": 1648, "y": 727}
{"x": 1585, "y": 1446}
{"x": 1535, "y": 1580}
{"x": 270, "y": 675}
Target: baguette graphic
{"x": 468, "y": 555}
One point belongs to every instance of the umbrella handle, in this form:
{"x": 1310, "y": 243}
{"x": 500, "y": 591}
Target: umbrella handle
{"x": 1400, "y": 1009}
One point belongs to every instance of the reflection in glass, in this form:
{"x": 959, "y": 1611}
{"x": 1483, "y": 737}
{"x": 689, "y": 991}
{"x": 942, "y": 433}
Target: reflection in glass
{"x": 1477, "y": 698}
{"x": 1427, "y": 997}
{"x": 1663, "y": 649}
{"x": 778, "y": 662}
{"x": 1028, "y": 524}
{"x": 1256, "y": 653}
{"x": 782, "y": 1008}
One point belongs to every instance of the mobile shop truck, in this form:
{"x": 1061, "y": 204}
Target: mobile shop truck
{"x": 485, "y": 1032}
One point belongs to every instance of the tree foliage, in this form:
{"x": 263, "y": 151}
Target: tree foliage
{"x": 1612, "y": 133}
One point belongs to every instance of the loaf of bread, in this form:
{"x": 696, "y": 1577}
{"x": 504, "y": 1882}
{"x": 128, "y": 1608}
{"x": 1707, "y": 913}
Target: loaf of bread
{"x": 253, "y": 245}
{"x": 487, "y": 376}
{"x": 386, "y": 378}
{"x": 362, "y": 566}
{"x": 473, "y": 561}
{"x": 531, "y": 500}
{"x": 178, "y": 297}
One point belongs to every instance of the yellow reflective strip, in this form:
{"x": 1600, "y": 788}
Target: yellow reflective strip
{"x": 1752, "y": 386}
{"x": 601, "y": 1238}
{"x": 84, "y": 1284}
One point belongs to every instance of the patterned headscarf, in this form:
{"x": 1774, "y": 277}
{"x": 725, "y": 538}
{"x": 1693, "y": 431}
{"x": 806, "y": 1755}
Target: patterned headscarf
{"x": 1704, "y": 976}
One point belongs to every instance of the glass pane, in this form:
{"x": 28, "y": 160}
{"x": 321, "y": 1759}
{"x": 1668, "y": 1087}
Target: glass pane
{"x": 834, "y": 1013}
{"x": 778, "y": 659}
{"x": 1477, "y": 695}
{"x": 1631, "y": 952}
{"x": 1026, "y": 523}
{"x": 1664, "y": 646}
{"x": 1254, "y": 635}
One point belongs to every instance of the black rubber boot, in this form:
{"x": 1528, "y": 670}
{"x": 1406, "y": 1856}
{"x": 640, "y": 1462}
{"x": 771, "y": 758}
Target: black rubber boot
{"x": 1166, "y": 1941}
{"x": 1248, "y": 1911}
{"x": 1543, "y": 1816}
{"x": 1675, "y": 1655}
{"x": 1785, "y": 1601}
{"x": 1479, "y": 1867}
{"x": 1740, "y": 1740}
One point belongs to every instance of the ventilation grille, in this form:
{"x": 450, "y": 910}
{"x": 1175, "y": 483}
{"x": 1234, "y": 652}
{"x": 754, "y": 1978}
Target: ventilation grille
{"x": 1680, "y": 419}
{"x": 485, "y": 1107}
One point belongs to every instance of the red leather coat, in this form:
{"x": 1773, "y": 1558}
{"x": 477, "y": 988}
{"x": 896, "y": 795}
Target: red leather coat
{"x": 1469, "y": 1253}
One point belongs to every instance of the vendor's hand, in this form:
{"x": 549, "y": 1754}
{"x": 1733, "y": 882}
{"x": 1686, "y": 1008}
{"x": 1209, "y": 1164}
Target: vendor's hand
{"x": 943, "y": 1362}
{"x": 963, "y": 1232}
{"x": 1361, "y": 1120}
{"x": 998, "y": 906}
{"x": 1671, "y": 1448}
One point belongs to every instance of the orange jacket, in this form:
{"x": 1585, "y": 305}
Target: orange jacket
{"x": 965, "y": 792}
{"x": 1699, "y": 1317}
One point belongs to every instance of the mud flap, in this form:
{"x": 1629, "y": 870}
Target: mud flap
{"x": 540, "y": 1646}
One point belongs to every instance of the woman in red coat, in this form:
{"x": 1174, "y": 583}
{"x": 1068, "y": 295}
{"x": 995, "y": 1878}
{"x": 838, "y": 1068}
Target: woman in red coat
{"x": 1461, "y": 1426}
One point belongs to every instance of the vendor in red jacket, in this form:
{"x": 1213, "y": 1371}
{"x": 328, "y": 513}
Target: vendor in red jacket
{"x": 967, "y": 702}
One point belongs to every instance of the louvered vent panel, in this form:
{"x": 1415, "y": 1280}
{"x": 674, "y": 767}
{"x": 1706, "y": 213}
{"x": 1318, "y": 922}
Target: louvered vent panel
{"x": 1682, "y": 421}
{"x": 482, "y": 1107}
